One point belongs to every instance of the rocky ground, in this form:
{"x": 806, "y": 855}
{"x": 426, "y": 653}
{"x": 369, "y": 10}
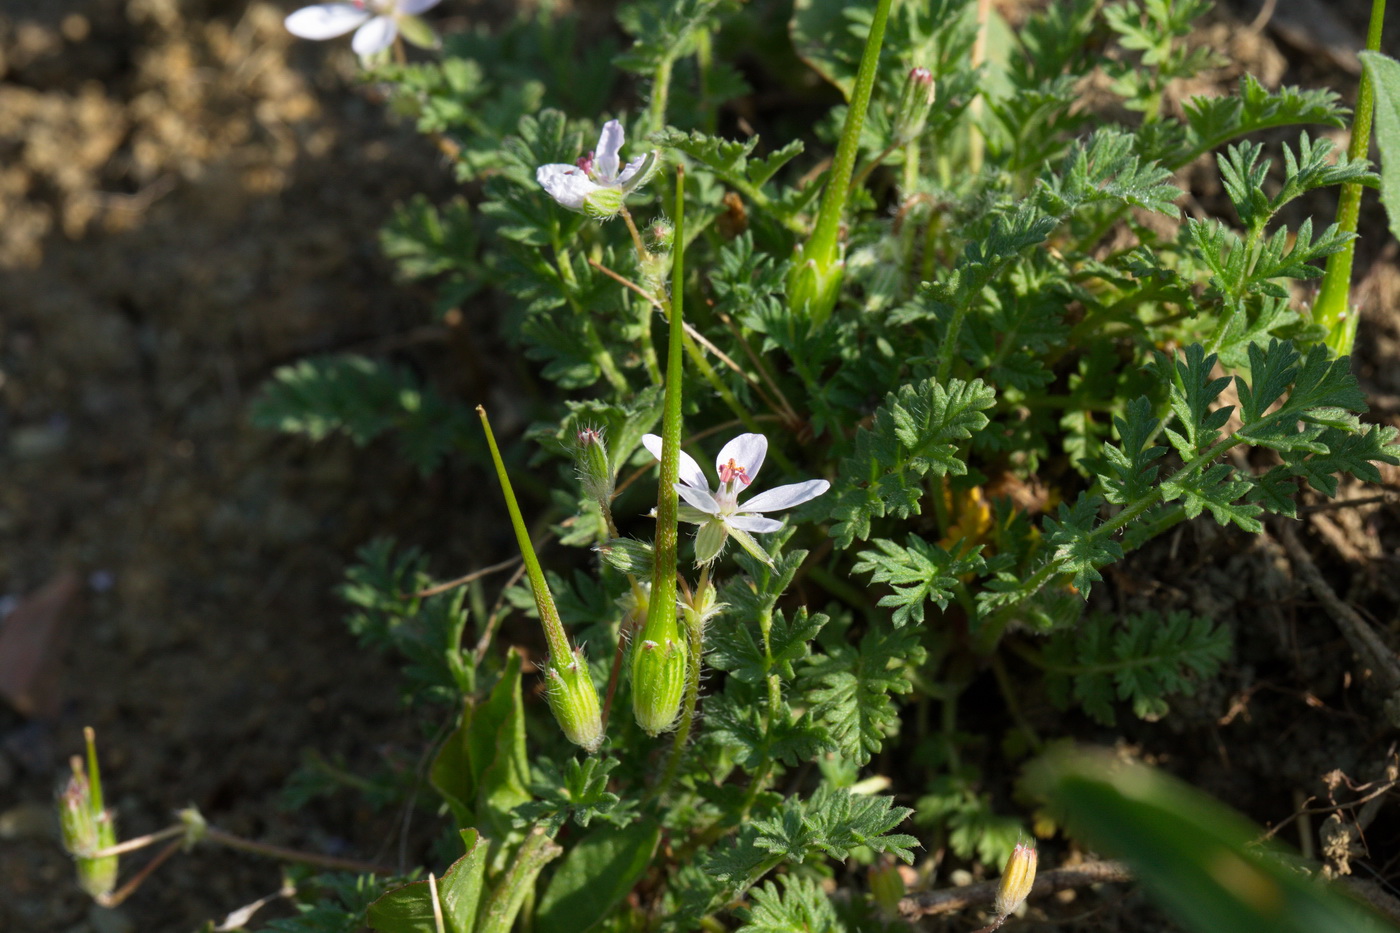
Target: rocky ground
{"x": 189, "y": 199}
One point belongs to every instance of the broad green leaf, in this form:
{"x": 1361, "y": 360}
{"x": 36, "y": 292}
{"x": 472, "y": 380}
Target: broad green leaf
{"x": 597, "y": 873}
{"x": 1199, "y": 859}
{"x": 1385, "y": 77}
{"x": 409, "y": 909}
{"x": 482, "y": 768}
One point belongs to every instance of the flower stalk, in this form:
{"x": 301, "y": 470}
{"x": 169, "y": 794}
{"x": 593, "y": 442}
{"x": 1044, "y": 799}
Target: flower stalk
{"x": 571, "y": 694}
{"x": 659, "y": 654}
{"x": 818, "y": 268}
{"x": 1332, "y": 308}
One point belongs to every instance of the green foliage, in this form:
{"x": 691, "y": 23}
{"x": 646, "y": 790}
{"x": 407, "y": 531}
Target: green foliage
{"x": 791, "y": 905}
{"x": 919, "y": 573}
{"x": 410, "y": 909}
{"x": 852, "y": 690}
{"x": 339, "y": 907}
{"x": 1032, "y": 366}
{"x": 362, "y": 399}
{"x": 1385, "y": 76}
{"x": 579, "y": 792}
{"x": 1142, "y": 659}
{"x": 911, "y": 436}
{"x": 427, "y": 631}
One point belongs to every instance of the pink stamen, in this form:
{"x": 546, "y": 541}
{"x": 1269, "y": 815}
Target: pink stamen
{"x": 586, "y": 163}
{"x": 729, "y": 471}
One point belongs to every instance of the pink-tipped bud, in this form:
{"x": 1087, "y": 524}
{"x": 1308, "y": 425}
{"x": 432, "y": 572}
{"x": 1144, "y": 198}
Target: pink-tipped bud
{"x": 915, "y": 103}
{"x": 594, "y": 469}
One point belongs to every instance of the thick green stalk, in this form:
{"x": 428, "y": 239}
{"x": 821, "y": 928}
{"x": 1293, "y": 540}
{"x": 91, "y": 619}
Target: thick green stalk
{"x": 662, "y": 604}
{"x": 816, "y": 274}
{"x": 549, "y": 615}
{"x": 1332, "y": 309}
{"x": 658, "y": 651}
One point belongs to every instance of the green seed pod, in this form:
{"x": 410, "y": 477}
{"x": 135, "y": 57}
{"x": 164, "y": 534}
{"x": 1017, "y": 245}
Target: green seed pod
{"x": 574, "y": 701}
{"x": 87, "y": 827}
{"x": 658, "y": 681}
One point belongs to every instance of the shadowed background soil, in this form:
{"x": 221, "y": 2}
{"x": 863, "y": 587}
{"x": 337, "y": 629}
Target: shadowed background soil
{"x": 190, "y": 198}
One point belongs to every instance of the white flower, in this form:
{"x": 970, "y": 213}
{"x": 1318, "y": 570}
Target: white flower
{"x": 595, "y": 185}
{"x": 719, "y": 513}
{"x": 376, "y": 22}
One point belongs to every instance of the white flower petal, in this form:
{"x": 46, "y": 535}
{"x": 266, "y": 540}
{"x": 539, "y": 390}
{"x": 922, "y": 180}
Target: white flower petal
{"x": 325, "y": 20}
{"x": 631, "y": 168}
{"x": 566, "y": 184}
{"x": 700, "y": 498}
{"x": 747, "y": 451}
{"x": 414, "y": 7}
{"x": 754, "y": 523}
{"x": 785, "y": 497}
{"x": 374, "y": 36}
{"x": 609, "y": 145}
{"x": 690, "y": 471}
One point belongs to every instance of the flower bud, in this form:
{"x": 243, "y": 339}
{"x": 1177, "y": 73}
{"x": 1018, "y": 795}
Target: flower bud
{"x": 915, "y": 102}
{"x": 591, "y": 460}
{"x": 87, "y": 827}
{"x": 1016, "y": 880}
{"x": 661, "y": 235}
{"x": 658, "y": 681}
{"x": 574, "y": 701}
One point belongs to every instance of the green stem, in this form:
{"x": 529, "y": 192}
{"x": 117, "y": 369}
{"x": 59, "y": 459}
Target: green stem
{"x": 660, "y": 91}
{"x": 1332, "y": 309}
{"x": 549, "y": 615}
{"x": 818, "y": 258}
{"x": 1008, "y": 694}
{"x": 598, "y": 351}
{"x": 537, "y": 851}
{"x": 993, "y": 627}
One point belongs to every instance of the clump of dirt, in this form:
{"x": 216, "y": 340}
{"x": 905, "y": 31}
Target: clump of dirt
{"x": 191, "y": 198}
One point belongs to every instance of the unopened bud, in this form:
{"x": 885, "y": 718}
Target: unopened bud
{"x": 661, "y": 235}
{"x": 591, "y": 459}
{"x": 915, "y": 102}
{"x": 658, "y": 681}
{"x": 86, "y": 826}
{"x": 574, "y": 700}
{"x": 1016, "y": 880}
